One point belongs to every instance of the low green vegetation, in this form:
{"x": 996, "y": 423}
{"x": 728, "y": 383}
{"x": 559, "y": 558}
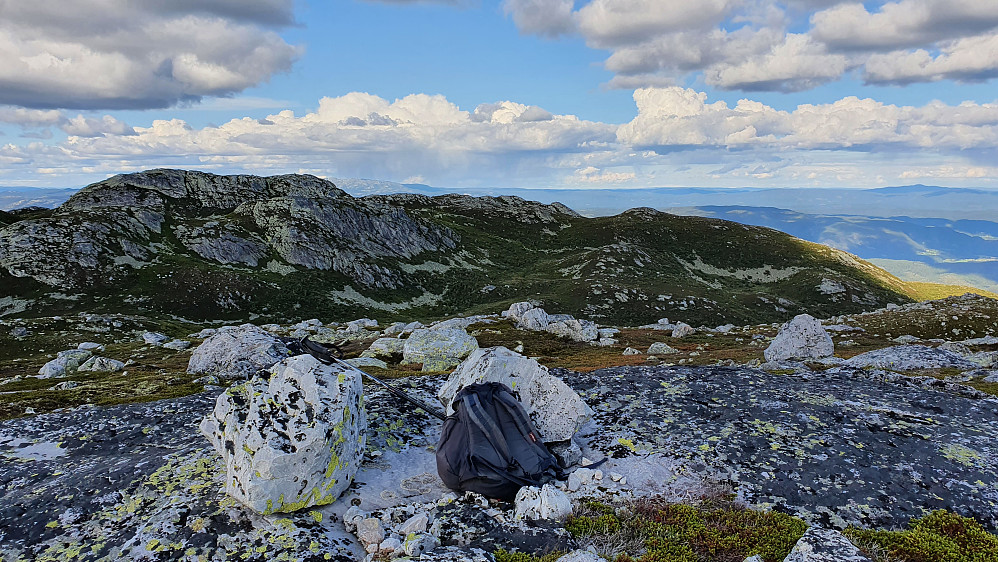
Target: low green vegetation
{"x": 503, "y": 555}
{"x": 941, "y": 536}
{"x": 715, "y": 529}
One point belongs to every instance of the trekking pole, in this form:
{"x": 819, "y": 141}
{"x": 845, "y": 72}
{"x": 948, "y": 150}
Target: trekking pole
{"x": 323, "y": 354}
{"x": 396, "y": 392}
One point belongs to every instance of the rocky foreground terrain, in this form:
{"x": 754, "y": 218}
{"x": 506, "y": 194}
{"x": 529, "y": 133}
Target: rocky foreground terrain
{"x": 207, "y": 247}
{"x": 854, "y": 422}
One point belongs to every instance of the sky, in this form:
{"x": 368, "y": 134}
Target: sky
{"x": 504, "y": 93}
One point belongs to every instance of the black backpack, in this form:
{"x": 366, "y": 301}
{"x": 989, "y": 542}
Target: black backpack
{"x": 489, "y": 446}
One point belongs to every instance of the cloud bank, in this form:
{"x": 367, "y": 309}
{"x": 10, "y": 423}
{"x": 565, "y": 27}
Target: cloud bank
{"x": 125, "y": 54}
{"x": 776, "y": 45}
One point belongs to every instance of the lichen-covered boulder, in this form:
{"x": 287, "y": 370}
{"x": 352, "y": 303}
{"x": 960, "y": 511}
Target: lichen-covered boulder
{"x": 682, "y": 330}
{"x": 802, "y": 338}
{"x": 65, "y": 363}
{"x": 574, "y": 329}
{"x": 102, "y": 365}
{"x": 534, "y": 319}
{"x": 910, "y": 358}
{"x": 438, "y": 350}
{"x": 291, "y": 442}
{"x": 661, "y": 348}
{"x": 516, "y": 310}
{"x": 556, "y": 409}
{"x": 824, "y": 545}
{"x": 546, "y": 502}
{"x": 237, "y": 353}
{"x": 384, "y": 347}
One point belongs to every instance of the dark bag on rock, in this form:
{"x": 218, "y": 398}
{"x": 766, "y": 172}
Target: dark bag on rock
{"x": 490, "y": 446}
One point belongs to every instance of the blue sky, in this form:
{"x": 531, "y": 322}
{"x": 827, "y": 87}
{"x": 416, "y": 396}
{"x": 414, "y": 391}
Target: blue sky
{"x": 518, "y": 93}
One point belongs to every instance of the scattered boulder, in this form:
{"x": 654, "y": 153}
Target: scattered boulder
{"x": 102, "y": 365}
{"x": 631, "y": 351}
{"x": 546, "y": 502}
{"x": 367, "y": 362}
{"x": 575, "y": 330}
{"x": 517, "y": 309}
{"x": 824, "y": 545}
{"x": 155, "y": 338}
{"x": 237, "y": 353}
{"x": 438, "y": 350}
{"x": 556, "y": 409}
{"x": 682, "y": 330}
{"x": 90, "y": 346}
{"x": 177, "y": 345}
{"x": 291, "y": 442}
{"x": 65, "y": 363}
{"x": 534, "y": 319}
{"x": 385, "y": 347}
{"x": 661, "y": 348}
{"x": 910, "y": 358}
{"x": 802, "y": 338}
{"x": 362, "y": 324}
{"x": 19, "y": 331}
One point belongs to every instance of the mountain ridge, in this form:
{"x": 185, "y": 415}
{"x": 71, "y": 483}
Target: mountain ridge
{"x": 208, "y": 246}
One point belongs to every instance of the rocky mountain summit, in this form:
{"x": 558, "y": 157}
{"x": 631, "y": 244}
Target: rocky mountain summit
{"x": 813, "y": 439}
{"x": 206, "y": 247}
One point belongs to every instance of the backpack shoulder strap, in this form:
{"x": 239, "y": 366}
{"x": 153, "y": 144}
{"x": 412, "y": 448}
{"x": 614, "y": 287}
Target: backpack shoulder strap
{"x": 485, "y": 423}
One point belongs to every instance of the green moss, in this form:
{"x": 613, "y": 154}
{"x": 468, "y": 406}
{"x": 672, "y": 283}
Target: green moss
{"x": 717, "y": 529}
{"x": 941, "y": 536}
{"x": 503, "y": 555}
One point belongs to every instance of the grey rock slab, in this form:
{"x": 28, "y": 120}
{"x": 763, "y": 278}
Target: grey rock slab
{"x": 65, "y": 363}
{"x": 824, "y": 545}
{"x": 841, "y": 447}
{"x": 237, "y": 353}
{"x": 581, "y": 556}
{"x": 155, "y": 338}
{"x": 556, "y": 410}
{"x": 361, "y": 362}
{"x": 802, "y": 338}
{"x": 384, "y": 347}
{"x": 292, "y": 441}
{"x": 177, "y": 345}
{"x": 533, "y": 319}
{"x": 910, "y": 358}
{"x": 90, "y": 346}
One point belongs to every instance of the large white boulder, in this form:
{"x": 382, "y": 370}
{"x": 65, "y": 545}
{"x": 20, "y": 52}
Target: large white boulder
{"x": 438, "y": 350}
{"x": 556, "y": 409}
{"x": 516, "y": 310}
{"x": 291, "y": 442}
{"x": 237, "y": 353}
{"x": 802, "y": 338}
{"x": 546, "y": 502}
{"x": 682, "y": 330}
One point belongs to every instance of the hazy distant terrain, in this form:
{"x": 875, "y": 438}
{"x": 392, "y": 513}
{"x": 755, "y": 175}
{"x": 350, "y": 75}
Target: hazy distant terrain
{"x": 20, "y": 197}
{"x": 962, "y": 252}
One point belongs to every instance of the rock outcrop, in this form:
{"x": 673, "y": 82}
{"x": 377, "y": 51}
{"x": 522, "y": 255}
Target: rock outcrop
{"x": 237, "y": 353}
{"x": 291, "y": 442}
{"x": 530, "y": 317}
{"x": 556, "y": 410}
{"x": 824, "y": 545}
{"x": 801, "y": 338}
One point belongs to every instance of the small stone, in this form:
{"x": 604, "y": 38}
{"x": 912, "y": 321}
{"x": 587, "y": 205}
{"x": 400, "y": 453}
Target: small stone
{"x": 546, "y": 502}
{"x": 19, "y": 332}
{"x": 177, "y": 345}
{"x": 568, "y": 453}
{"x": 90, "y": 346}
{"x": 616, "y": 476}
{"x": 824, "y": 545}
{"x": 581, "y": 556}
{"x": 351, "y": 517}
{"x": 415, "y": 524}
{"x": 369, "y": 532}
{"x": 631, "y": 351}
{"x": 390, "y": 545}
{"x": 417, "y": 544}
